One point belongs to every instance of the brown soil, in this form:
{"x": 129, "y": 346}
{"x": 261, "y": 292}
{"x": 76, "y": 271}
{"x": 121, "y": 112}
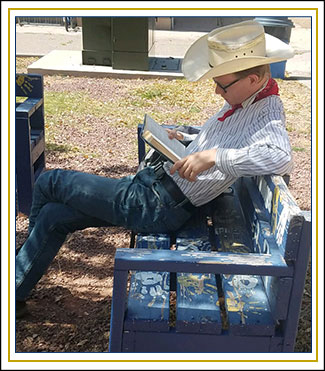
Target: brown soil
{"x": 69, "y": 310}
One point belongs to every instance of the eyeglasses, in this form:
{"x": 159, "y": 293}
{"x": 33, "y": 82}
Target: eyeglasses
{"x": 224, "y": 88}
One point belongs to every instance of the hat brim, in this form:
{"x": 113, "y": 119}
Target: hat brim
{"x": 195, "y": 65}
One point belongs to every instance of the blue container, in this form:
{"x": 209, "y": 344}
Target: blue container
{"x": 278, "y": 69}
{"x": 279, "y": 27}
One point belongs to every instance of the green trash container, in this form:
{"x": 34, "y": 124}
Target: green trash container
{"x": 279, "y": 27}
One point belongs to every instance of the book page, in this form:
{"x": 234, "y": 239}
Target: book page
{"x": 160, "y": 134}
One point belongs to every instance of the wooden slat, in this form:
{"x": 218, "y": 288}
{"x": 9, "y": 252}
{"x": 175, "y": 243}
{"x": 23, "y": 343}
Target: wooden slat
{"x": 148, "y": 302}
{"x": 197, "y": 306}
{"x": 230, "y": 225}
{"x": 27, "y": 108}
{"x": 175, "y": 342}
{"x": 148, "y": 299}
{"x": 246, "y": 303}
{"x": 196, "y": 227}
{"x": 278, "y": 291}
{"x": 153, "y": 241}
{"x": 205, "y": 262}
{"x": 274, "y": 203}
{"x": 36, "y": 135}
{"x": 38, "y": 149}
{"x": 193, "y": 244}
{"x": 118, "y": 309}
{"x": 285, "y": 224}
{"x": 247, "y": 306}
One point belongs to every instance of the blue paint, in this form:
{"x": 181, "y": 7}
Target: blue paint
{"x": 148, "y": 299}
{"x": 29, "y": 137}
{"x": 247, "y": 306}
{"x": 197, "y": 306}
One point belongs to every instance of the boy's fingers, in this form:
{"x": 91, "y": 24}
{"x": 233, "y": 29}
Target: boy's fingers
{"x": 176, "y": 166}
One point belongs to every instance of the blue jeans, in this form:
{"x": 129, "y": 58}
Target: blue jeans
{"x": 66, "y": 201}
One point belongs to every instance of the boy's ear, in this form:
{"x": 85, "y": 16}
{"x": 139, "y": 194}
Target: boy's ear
{"x": 254, "y": 78}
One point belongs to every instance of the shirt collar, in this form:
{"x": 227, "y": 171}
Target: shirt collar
{"x": 250, "y": 100}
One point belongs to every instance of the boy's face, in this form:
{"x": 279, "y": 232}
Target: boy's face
{"x": 233, "y": 89}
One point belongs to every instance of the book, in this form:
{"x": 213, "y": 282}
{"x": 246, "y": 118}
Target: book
{"x": 157, "y": 137}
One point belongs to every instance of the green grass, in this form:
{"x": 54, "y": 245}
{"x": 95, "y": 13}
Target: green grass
{"x": 150, "y": 93}
{"x": 63, "y": 148}
{"x": 177, "y": 92}
{"x": 76, "y": 104}
{"x": 167, "y": 101}
{"x": 298, "y": 149}
{"x": 179, "y": 101}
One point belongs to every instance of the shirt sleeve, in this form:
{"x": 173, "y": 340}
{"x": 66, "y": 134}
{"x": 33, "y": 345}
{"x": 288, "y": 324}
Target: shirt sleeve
{"x": 188, "y": 137}
{"x": 268, "y": 152}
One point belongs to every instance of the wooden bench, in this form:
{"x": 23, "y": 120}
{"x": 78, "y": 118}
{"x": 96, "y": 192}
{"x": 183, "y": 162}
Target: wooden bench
{"x": 30, "y": 139}
{"x": 231, "y": 280}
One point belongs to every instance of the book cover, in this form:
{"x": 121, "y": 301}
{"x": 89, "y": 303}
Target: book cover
{"x": 157, "y": 137}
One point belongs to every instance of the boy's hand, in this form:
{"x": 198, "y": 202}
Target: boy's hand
{"x": 190, "y": 166}
{"x": 173, "y": 133}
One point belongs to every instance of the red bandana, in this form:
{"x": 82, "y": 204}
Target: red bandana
{"x": 270, "y": 89}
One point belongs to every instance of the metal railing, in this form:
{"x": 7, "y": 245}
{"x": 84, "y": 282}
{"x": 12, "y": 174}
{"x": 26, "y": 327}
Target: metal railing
{"x": 40, "y": 20}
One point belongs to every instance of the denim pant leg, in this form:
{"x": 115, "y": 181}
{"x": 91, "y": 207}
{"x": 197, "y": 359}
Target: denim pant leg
{"x": 65, "y": 201}
{"x": 54, "y": 223}
{"x": 135, "y": 202}
{"x": 90, "y": 194}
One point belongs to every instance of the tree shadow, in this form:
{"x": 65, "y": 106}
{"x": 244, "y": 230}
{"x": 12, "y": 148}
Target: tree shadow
{"x": 60, "y": 321}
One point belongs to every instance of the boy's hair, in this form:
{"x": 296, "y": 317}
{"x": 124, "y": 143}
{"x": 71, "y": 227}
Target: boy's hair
{"x": 260, "y": 71}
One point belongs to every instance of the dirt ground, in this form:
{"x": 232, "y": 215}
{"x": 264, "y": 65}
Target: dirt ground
{"x": 69, "y": 310}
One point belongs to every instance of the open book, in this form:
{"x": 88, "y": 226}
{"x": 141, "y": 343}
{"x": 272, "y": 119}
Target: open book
{"x": 157, "y": 137}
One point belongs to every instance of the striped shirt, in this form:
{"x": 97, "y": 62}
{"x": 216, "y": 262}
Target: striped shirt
{"x": 252, "y": 141}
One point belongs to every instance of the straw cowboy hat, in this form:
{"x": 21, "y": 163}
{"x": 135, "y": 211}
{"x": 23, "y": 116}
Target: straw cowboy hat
{"x": 231, "y": 49}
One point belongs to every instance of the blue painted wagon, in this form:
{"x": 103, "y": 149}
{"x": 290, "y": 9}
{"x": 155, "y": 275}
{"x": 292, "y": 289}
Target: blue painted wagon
{"x": 231, "y": 280}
